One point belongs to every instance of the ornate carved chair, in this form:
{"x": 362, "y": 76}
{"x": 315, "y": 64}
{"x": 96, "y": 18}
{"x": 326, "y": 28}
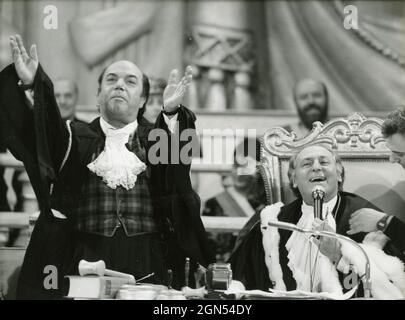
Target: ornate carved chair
{"x": 360, "y": 144}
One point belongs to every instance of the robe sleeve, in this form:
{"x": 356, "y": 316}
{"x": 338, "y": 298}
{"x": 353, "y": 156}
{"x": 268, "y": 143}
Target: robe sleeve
{"x": 396, "y": 232}
{"x": 40, "y": 130}
{"x": 177, "y": 206}
{"x": 248, "y": 263}
{"x": 51, "y": 133}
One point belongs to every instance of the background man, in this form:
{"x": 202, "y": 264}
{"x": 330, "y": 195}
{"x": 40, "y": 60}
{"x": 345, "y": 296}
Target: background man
{"x": 312, "y": 103}
{"x": 67, "y": 95}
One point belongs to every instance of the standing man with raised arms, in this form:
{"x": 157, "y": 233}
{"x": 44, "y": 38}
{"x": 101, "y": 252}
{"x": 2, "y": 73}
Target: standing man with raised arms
{"x": 100, "y": 195}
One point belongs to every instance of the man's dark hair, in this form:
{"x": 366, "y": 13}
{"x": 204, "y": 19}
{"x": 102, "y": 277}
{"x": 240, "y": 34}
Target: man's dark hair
{"x": 292, "y": 167}
{"x": 394, "y": 123}
{"x": 145, "y": 90}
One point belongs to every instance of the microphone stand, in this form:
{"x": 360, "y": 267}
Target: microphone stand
{"x": 293, "y": 227}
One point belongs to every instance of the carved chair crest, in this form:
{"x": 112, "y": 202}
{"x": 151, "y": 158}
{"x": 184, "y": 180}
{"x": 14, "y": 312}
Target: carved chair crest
{"x": 353, "y": 138}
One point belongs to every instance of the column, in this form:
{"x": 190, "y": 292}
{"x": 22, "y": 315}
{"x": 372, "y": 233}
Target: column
{"x": 221, "y": 45}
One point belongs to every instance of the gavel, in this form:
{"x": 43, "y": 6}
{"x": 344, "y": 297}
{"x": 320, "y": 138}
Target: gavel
{"x": 98, "y": 268}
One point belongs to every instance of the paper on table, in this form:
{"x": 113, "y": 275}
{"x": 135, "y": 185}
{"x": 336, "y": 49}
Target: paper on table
{"x": 294, "y": 294}
{"x": 320, "y": 295}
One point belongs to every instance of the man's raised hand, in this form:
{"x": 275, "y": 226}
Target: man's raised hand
{"x": 175, "y": 89}
{"x": 26, "y": 64}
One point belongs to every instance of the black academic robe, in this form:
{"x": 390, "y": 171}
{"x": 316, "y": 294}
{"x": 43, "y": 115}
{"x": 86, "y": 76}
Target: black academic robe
{"x": 247, "y": 260}
{"x": 40, "y": 139}
{"x": 396, "y": 232}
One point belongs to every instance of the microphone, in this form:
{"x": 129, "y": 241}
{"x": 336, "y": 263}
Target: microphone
{"x": 328, "y": 234}
{"x": 318, "y": 193}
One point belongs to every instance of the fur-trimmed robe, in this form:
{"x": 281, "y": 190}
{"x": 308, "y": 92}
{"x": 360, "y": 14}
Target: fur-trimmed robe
{"x": 248, "y": 259}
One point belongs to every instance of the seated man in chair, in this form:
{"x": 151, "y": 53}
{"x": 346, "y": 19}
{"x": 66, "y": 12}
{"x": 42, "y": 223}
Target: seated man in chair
{"x": 265, "y": 257}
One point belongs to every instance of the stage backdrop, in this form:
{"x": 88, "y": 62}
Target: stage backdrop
{"x": 247, "y": 54}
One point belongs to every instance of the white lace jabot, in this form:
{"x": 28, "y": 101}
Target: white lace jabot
{"x": 311, "y": 269}
{"x": 116, "y": 164}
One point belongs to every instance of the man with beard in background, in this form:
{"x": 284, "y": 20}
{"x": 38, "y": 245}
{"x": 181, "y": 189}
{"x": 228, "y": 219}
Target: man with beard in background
{"x": 311, "y": 100}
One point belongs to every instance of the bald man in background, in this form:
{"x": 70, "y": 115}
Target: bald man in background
{"x": 67, "y": 95}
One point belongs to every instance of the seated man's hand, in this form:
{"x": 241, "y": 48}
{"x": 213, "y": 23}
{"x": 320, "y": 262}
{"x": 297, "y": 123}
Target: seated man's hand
{"x": 329, "y": 247}
{"x": 364, "y": 220}
{"x": 175, "y": 89}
